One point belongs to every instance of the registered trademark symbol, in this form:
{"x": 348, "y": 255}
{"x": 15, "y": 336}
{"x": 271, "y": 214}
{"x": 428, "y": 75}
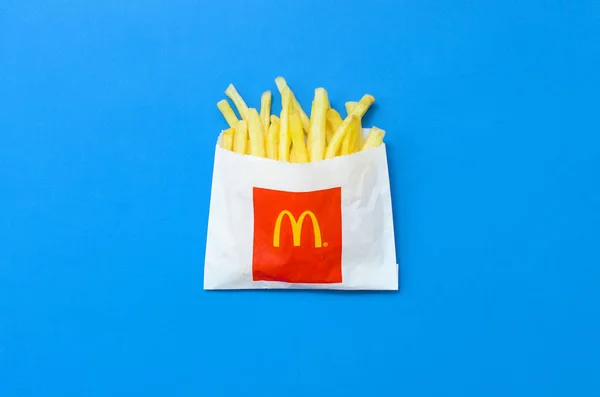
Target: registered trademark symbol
{"x": 325, "y": 244}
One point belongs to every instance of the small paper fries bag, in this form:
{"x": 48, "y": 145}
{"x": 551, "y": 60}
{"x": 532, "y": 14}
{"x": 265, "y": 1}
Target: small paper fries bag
{"x": 319, "y": 225}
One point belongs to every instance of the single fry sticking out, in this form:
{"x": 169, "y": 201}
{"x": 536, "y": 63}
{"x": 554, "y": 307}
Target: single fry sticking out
{"x": 350, "y": 106}
{"x": 265, "y": 109}
{"x": 257, "y": 135}
{"x": 240, "y": 139}
{"x": 281, "y": 83}
{"x": 239, "y": 103}
{"x": 338, "y": 137}
{"x": 284, "y": 135}
{"x": 227, "y": 139}
{"x": 273, "y": 138}
{"x": 298, "y": 145}
{"x": 318, "y": 120}
{"x": 228, "y": 113}
{"x": 374, "y": 139}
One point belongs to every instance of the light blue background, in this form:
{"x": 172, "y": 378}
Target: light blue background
{"x": 107, "y": 127}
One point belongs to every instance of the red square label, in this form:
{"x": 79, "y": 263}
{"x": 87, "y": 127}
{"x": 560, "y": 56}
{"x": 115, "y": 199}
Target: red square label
{"x": 297, "y": 236}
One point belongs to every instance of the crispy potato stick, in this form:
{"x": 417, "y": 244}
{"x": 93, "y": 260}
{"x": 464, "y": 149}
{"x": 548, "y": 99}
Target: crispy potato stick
{"x": 318, "y": 120}
{"x": 374, "y": 139}
{"x": 273, "y": 138}
{"x": 227, "y": 139}
{"x": 298, "y": 144}
{"x": 265, "y": 109}
{"x": 281, "y": 83}
{"x": 228, "y": 113}
{"x": 328, "y": 134}
{"x": 257, "y": 135}
{"x": 355, "y": 138}
{"x": 239, "y": 103}
{"x": 284, "y": 134}
{"x": 338, "y": 137}
{"x": 293, "y": 155}
{"x": 349, "y": 144}
{"x": 350, "y": 106}
{"x": 308, "y": 140}
{"x": 358, "y": 141}
{"x": 345, "y": 149}
{"x": 333, "y": 119}
{"x": 240, "y": 139}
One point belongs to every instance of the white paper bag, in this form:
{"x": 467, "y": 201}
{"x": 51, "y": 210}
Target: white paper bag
{"x": 321, "y": 225}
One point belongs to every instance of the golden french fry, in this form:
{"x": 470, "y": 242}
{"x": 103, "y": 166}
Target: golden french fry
{"x": 273, "y": 138}
{"x": 227, "y": 139}
{"x": 374, "y": 138}
{"x": 318, "y": 120}
{"x": 256, "y": 133}
{"x": 333, "y": 119}
{"x": 355, "y": 139}
{"x": 349, "y": 143}
{"x": 350, "y": 106}
{"x": 358, "y": 141}
{"x": 265, "y": 109}
{"x": 240, "y": 140}
{"x": 293, "y": 158}
{"x": 338, "y": 137}
{"x": 333, "y": 122}
{"x": 239, "y": 103}
{"x": 281, "y": 83}
{"x": 298, "y": 144}
{"x": 284, "y": 134}
{"x": 228, "y": 113}
{"x": 345, "y": 149}
{"x": 328, "y": 134}
{"x": 308, "y": 140}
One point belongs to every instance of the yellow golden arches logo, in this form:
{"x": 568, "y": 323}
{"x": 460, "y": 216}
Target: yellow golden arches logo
{"x": 297, "y": 228}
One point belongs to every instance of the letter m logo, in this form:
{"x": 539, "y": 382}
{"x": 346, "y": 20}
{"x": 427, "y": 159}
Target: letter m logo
{"x": 297, "y": 236}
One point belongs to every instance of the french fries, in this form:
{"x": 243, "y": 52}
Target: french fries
{"x": 284, "y": 127}
{"x": 265, "y": 109}
{"x": 318, "y": 120}
{"x": 272, "y": 139}
{"x": 257, "y": 135}
{"x": 374, "y": 139}
{"x": 349, "y": 144}
{"x": 227, "y": 139}
{"x": 298, "y": 144}
{"x": 294, "y": 136}
{"x": 350, "y": 106}
{"x": 281, "y": 84}
{"x": 240, "y": 139}
{"x": 237, "y": 100}
{"x": 228, "y": 113}
{"x": 359, "y": 110}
